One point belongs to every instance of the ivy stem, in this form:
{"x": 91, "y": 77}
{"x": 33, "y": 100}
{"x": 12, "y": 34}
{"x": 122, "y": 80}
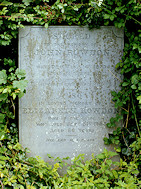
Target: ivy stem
{"x": 120, "y": 107}
{"x": 135, "y": 117}
{"x": 13, "y": 106}
{"x": 136, "y": 20}
{"x": 127, "y": 116}
{"x": 115, "y": 75}
{"x": 2, "y": 186}
{"x": 15, "y": 17}
{"x": 125, "y": 141}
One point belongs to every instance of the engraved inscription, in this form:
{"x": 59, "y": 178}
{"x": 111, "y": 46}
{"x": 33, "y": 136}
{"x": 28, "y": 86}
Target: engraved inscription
{"x": 71, "y": 72}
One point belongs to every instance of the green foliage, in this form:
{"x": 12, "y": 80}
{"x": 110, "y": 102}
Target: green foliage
{"x": 19, "y": 172}
{"x": 9, "y": 90}
{"x": 98, "y": 173}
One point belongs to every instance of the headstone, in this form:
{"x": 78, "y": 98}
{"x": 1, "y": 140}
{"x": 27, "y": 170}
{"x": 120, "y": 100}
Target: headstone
{"x": 71, "y": 72}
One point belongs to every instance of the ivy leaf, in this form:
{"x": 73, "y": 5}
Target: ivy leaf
{"x": 139, "y": 49}
{"x": 14, "y": 96}
{"x": 6, "y": 3}
{"x": 20, "y": 73}
{"x": 19, "y": 5}
{"x": 135, "y": 79}
{"x": 56, "y": 165}
{"x": 75, "y": 8}
{"x": 106, "y": 16}
{"x": 3, "y": 97}
{"x": 120, "y": 25}
{"x": 4, "y": 43}
{"x": 11, "y": 69}
{"x": 118, "y": 9}
{"x": 125, "y": 84}
{"x": 62, "y": 10}
{"x": 2, "y": 135}
{"x": 106, "y": 140}
{"x": 2, "y": 116}
{"x": 100, "y": 156}
{"x": 4, "y": 158}
{"x": 139, "y": 98}
{"x": 133, "y": 86}
{"x": 112, "y": 17}
{"x": 46, "y": 25}
{"x": 60, "y": 6}
{"x": 3, "y": 77}
{"x": 26, "y": 2}
{"x": 1, "y": 22}
{"x": 20, "y": 84}
{"x": 20, "y": 95}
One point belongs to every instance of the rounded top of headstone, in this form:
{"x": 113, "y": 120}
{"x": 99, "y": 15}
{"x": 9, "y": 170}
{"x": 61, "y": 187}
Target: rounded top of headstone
{"x": 23, "y": 32}
{"x": 117, "y": 32}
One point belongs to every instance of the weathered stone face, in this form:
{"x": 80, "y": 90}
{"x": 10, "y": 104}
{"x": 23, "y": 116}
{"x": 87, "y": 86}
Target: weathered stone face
{"x": 71, "y": 71}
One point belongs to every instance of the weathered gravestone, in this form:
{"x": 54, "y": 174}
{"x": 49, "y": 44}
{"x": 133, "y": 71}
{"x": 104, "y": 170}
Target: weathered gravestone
{"x": 71, "y": 71}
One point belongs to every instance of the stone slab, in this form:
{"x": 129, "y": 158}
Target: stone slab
{"x": 71, "y": 71}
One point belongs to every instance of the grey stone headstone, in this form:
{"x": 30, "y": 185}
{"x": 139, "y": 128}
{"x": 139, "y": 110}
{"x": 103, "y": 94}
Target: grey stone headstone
{"x": 71, "y": 72}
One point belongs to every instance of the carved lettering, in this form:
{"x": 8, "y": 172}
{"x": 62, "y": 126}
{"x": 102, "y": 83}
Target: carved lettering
{"x": 75, "y": 52}
{"x": 71, "y": 73}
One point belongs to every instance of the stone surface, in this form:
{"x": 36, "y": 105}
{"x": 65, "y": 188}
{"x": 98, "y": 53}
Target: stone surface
{"x": 71, "y": 71}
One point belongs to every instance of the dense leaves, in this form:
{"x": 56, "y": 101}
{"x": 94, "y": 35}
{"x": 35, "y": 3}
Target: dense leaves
{"x": 16, "y": 170}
